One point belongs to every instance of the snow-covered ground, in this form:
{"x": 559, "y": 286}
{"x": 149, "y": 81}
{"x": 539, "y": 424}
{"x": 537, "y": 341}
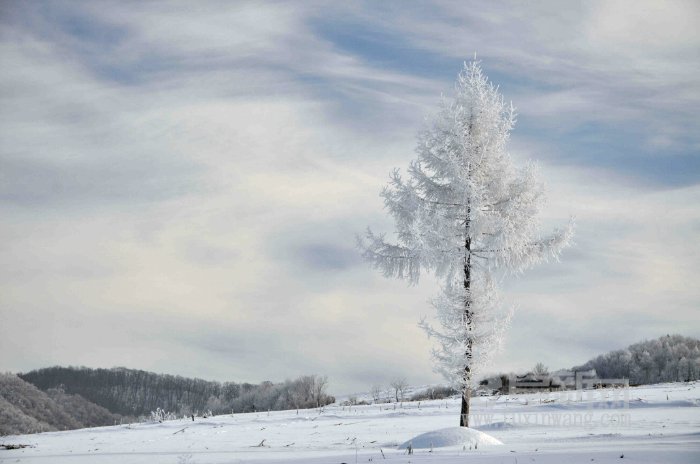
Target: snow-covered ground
{"x": 652, "y": 424}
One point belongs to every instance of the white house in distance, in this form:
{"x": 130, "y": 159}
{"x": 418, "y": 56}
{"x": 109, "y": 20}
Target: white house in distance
{"x": 563, "y": 379}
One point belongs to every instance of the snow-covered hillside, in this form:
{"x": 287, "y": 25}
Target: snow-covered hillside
{"x": 652, "y": 424}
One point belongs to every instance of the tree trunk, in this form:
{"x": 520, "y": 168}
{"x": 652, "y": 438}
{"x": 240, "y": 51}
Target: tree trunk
{"x": 464, "y": 415}
{"x": 466, "y": 393}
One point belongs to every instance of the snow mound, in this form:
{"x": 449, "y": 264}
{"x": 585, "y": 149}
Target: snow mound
{"x": 452, "y": 436}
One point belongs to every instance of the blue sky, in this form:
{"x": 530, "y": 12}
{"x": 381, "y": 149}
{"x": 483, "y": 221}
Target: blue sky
{"x": 180, "y": 184}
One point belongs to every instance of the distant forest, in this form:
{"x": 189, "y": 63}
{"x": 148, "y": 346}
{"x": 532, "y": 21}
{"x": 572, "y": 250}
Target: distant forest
{"x": 26, "y": 409}
{"x": 64, "y": 398}
{"x": 672, "y": 358}
{"x": 131, "y": 392}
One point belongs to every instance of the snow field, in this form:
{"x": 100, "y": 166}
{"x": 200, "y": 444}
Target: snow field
{"x": 654, "y": 424}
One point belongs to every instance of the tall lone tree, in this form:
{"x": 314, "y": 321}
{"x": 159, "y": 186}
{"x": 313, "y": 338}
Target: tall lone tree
{"x": 468, "y": 216}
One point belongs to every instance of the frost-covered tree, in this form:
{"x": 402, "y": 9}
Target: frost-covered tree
{"x": 319, "y": 389}
{"x": 399, "y": 384}
{"x": 467, "y": 215}
{"x": 540, "y": 369}
{"x": 376, "y": 392}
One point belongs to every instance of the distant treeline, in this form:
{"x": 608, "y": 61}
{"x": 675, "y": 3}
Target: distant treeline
{"x": 133, "y": 392}
{"x": 26, "y": 409}
{"x": 672, "y": 358}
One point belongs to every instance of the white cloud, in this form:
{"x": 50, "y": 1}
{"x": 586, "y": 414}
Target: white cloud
{"x": 173, "y": 215}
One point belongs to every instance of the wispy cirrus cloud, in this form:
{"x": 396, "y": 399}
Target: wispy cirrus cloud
{"x": 626, "y": 71}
